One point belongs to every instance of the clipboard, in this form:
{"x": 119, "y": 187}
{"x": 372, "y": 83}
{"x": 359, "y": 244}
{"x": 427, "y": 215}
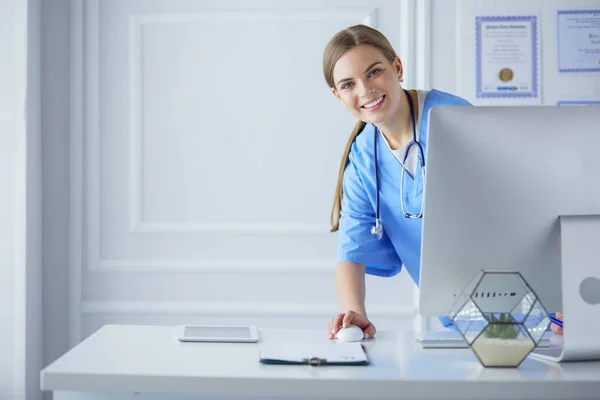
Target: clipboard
{"x": 314, "y": 354}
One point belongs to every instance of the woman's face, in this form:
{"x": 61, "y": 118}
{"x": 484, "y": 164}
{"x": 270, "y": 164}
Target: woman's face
{"x": 367, "y": 84}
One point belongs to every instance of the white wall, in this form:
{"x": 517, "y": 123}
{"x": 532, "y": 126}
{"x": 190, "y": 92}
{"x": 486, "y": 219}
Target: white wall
{"x": 453, "y": 47}
{"x": 20, "y": 202}
{"x": 186, "y": 217}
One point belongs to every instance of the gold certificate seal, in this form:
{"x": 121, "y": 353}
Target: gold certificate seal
{"x": 506, "y": 74}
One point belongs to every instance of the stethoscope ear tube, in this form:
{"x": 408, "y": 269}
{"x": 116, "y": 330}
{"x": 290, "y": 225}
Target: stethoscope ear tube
{"x": 377, "y": 229}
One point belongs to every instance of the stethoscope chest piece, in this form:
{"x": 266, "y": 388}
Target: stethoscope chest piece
{"x": 377, "y": 229}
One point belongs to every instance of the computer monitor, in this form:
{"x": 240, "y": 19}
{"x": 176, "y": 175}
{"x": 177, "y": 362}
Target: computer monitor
{"x": 498, "y": 178}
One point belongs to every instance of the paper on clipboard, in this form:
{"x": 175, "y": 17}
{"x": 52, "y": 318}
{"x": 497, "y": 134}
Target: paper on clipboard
{"x": 327, "y": 353}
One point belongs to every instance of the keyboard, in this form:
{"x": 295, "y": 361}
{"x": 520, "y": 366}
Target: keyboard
{"x": 453, "y": 340}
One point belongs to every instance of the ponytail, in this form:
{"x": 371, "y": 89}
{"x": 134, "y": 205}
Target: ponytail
{"x": 339, "y": 192}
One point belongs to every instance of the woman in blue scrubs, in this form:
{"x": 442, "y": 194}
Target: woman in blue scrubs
{"x": 365, "y": 74}
{"x": 379, "y": 233}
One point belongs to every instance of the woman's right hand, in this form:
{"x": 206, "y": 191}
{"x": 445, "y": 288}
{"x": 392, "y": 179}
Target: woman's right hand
{"x": 354, "y": 318}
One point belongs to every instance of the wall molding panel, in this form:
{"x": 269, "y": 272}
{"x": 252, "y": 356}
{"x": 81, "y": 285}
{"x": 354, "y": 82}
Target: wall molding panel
{"x": 137, "y": 23}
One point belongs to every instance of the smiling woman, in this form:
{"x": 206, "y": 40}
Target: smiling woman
{"x": 365, "y": 74}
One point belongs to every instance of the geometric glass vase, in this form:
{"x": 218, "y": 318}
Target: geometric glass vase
{"x": 500, "y": 317}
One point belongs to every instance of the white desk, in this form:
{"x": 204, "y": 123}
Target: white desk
{"x": 147, "y": 362}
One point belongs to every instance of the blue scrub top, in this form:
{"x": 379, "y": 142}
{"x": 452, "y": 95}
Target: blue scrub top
{"x": 401, "y": 241}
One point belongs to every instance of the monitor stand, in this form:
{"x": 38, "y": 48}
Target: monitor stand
{"x": 580, "y": 266}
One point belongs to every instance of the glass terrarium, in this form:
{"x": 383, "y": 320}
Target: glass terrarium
{"x": 500, "y": 317}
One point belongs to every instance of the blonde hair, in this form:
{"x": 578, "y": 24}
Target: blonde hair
{"x": 339, "y": 44}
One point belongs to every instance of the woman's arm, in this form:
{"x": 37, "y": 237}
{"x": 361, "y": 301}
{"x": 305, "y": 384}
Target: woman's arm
{"x": 350, "y": 287}
{"x": 350, "y": 290}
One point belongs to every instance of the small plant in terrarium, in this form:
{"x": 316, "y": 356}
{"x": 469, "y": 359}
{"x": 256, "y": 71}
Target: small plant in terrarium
{"x": 501, "y": 326}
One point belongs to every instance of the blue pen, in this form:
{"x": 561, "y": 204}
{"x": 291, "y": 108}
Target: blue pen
{"x": 556, "y": 321}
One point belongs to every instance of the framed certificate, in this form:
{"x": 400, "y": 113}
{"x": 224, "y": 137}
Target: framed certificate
{"x": 578, "y": 41}
{"x": 507, "y": 57}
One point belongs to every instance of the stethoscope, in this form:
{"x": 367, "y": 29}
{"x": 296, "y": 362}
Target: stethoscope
{"x": 377, "y": 229}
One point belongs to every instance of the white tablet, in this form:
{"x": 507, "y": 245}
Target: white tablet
{"x": 217, "y": 333}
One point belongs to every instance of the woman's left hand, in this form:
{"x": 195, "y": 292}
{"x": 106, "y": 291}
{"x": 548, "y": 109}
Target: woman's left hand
{"x": 555, "y": 328}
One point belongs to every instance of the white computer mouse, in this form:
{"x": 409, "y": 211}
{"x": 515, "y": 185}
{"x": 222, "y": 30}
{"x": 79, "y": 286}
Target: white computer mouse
{"x": 350, "y": 334}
